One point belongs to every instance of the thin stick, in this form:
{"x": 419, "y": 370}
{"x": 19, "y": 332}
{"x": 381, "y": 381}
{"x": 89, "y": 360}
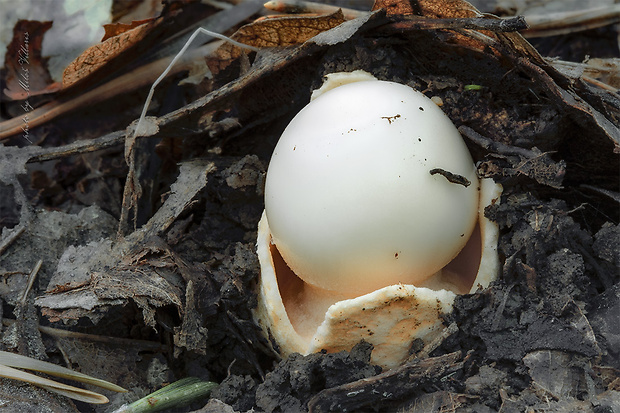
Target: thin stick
{"x": 436, "y": 342}
{"x": 472, "y": 23}
{"x": 611, "y": 194}
{"x": 118, "y": 341}
{"x": 493, "y": 146}
{"x": 92, "y": 145}
{"x": 553, "y": 24}
{"x": 31, "y": 278}
{"x": 14, "y": 234}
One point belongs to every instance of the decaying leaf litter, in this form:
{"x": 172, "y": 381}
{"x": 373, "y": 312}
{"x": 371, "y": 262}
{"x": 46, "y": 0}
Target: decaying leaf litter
{"x": 180, "y": 283}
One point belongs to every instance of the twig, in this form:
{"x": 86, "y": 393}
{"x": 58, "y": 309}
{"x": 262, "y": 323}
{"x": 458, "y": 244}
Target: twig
{"x": 500, "y": 309}
{"x": 611, "y": 194}
{"x": 92, "y": 145}
{"x": 393, "y": 384}
{"x": 31, "y": 278}
{"x": 436, "y": 342}
{"x": 553, "y": 24}
{"x": 472, "y": 23}
{"x": 13, "y": 235}
{"x": 119, "y": 341}
{"x": 493, "y": 146}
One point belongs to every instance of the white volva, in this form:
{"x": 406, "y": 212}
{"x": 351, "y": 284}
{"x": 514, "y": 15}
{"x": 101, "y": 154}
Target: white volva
{"x": 350, "y": 198}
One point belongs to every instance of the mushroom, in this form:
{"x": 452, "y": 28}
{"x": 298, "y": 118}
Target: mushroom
{"x": 374, "y": 221}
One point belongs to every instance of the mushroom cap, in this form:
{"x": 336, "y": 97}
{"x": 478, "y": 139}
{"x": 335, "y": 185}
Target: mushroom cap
{"x": 350, "y": 198}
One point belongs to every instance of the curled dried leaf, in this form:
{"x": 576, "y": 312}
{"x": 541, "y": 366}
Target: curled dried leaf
{"x": 428, "y": 8}
{"x": 395, "y": 7}
{"x": 286, "y": 31}
{"x": 98, "y": 55}
{"x": 115, "y": 29}
{"x": 447, "y": 9}
{"x": 283, "y": 31}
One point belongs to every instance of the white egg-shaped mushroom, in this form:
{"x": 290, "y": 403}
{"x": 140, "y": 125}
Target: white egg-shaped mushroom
{"x": 373, "y": 222}
{"x": 353, "y": 195}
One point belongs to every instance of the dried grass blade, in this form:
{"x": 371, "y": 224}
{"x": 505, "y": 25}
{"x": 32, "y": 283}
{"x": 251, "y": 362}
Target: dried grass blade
{"x": 15, "y": 360}
{"x": 59, "y": 388}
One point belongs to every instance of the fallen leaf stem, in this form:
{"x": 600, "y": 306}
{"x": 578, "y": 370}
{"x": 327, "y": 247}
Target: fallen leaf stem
{"x": 173, "y": 396}
{"x": 59, "y": 333}
{"x": 63, "y": 389}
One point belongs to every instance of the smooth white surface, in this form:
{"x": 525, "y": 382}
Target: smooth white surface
{"x": 349, "y": 198}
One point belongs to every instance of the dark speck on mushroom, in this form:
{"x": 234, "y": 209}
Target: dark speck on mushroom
{"x": 421, "y": 108}
{"x": 390, "y": 119}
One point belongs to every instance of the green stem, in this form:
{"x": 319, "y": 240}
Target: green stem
{"x": 177, "y": 394}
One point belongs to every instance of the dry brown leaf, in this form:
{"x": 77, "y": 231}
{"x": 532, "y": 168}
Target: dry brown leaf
{"x": 395, "y": 7}
{"x": 114, "y": 29}
{"x": 447, "y": 9}
{"x": 98, "y": 55}
{"x": 27, "y": 73}
{"x": 283, "y": 31}
{"x": 286, "y": 31}
{"x": 434, "y": 9}
{"x": 428, "y": 8}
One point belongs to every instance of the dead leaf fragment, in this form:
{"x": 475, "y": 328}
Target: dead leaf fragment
{"x": 428, "y": 8}
{"x": 115, "y": 29}
{"x": 286, "y": 31}
{"x": 27, "y": 73}
{"x": 543, "y": 169}
{"x": 140, "y": 267}
{"x": 395, "y": 7}
{"x": 557, "y": 373}
{"x": 282, "y": 32}
{"x": 98, "y": 55}
{"x": 447, "y": 9}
